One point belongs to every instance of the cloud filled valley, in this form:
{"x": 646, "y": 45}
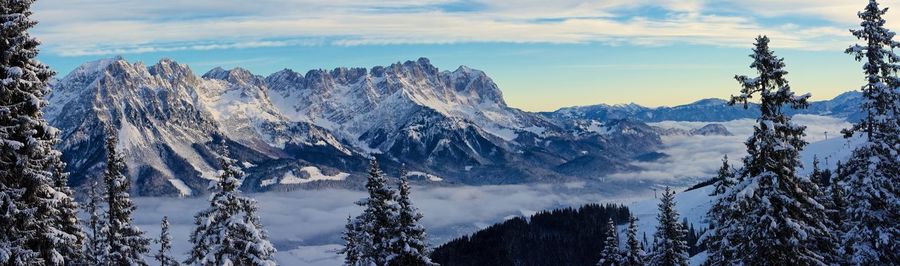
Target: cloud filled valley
{"x": 305, "y": 224}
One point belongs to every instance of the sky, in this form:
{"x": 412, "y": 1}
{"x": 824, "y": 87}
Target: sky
{"x": 542, "y": 54}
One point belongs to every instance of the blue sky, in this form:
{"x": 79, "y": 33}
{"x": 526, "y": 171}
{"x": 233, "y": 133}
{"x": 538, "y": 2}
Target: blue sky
{"x": 543, "y": 54}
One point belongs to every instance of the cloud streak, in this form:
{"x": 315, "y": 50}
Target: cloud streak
{"x": 74, "y": 28}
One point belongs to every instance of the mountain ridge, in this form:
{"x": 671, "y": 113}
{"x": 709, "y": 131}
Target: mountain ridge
{"x": 845, "y": 105}
{"x": 454, "y": 125}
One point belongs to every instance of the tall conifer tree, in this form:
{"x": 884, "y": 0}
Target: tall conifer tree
{"x": 96, "y": 248}
{"x": 127, "y": 244}
{"x": 872, "y": 180}
{"x": 724, "y": 178}
{"x": 771, "y": 216}
{"x": 378, "y": 222}
{"x": 634, "y": 253}
{"x": 165, "y": 245}
{"x": 610, "y": 255}
{"x": 410, "y": 241}
{"x": 712, "y": 239}
{"x": 351, "y": 249}
{"x": 229, "y": 232}
{"x": 37, "y": 212}
{"x": 669, "y": 245}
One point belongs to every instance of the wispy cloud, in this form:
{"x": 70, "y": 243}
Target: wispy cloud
{"x": 73, "y": 28}
{"x": 139, "y": 49}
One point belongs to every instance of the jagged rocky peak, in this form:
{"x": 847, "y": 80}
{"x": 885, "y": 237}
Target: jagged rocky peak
{"x": 284, "y": 76}
{"x": 418, "y": 79}
{"x": 171, "y": 70}
{"x": 122, "y": 69}
{"x": 347, "y": 76}
{"x": 318, "y": 80}
{"x": 415, "y": 69}
{"x": 476, "y": 82}
{"x": 236, "y": 75}
{"x": 119, "y": 67}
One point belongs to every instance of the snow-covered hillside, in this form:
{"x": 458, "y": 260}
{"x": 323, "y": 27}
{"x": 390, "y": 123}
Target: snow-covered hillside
{"x": 693, "y": 205}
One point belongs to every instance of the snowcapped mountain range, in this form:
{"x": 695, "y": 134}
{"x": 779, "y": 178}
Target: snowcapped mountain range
{"x": 845, "y": 106}
{"x": 320, "y": 128}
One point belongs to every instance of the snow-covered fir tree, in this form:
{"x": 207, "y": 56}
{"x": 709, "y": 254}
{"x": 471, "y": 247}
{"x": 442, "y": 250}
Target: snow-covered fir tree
{"x": 724, "y": 178}
{"x": 126, "y": 242}
{"x": 821, "y": 177}
{"x": 229, "y": 232}
{"x": 165, "y": 245}
{"x": 410, "y": 244}
{"x": 37, "y": 211}
{"x": 634, "y": 253}
{"x": 839, "y": 204}
{"x": 872, "y": 180}
{"x": 837, "y": 212}
{"x": 771, "y": 216}
{"x": 95, "y": 246}
{"x": 351, "y": 249}
{"x": 836, "y": 217}
{"x": 669, "y": 245}
{"x": 67, "y": 218}
{"x": 610, "y": 255}
{"x": 377, "y": 225}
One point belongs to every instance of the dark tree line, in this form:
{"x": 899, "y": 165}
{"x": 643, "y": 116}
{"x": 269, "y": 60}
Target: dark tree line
{"x": 566, "y": 236}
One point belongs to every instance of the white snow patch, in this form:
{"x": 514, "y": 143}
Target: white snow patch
{"x": 268, "y": 182}
{"x": 698, "y": 259}
{"x": 311, "y": 256}
{"x": 314, "y": 175}
{"x": 210, "y": 175}
{"x": 183, "y": 189}
{"x": 424, "y": 175}
{"x": 504, "y": 133}
{"x": 536, "y": 130}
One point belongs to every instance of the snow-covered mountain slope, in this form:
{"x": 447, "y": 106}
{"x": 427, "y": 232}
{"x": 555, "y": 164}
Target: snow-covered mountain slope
{"x": 155, "y": 113}
{"x": 166, "y": 118}
{"x": 452, "y": 124}
{"x": 448, "y": 123}
{"x": 844, "y": 106}
{"x": 238, "y": 100}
